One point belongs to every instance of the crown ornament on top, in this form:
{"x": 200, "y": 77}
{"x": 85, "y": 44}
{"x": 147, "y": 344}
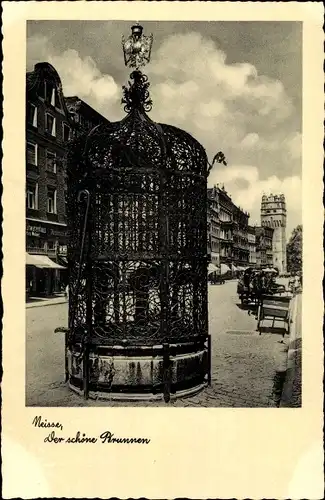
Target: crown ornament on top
{"x": 137, "y": 47}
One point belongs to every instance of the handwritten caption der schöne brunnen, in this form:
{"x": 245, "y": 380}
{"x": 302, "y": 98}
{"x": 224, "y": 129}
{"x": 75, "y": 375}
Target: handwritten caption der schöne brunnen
{"x": 54, "y": 436}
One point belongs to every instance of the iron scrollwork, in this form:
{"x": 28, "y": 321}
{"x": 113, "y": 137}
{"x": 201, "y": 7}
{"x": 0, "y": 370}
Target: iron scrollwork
{"x": 136, "y": 95}
{"x": 145, "y": 278}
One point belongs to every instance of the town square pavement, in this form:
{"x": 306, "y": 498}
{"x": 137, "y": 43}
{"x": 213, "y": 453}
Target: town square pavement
{"x": 245, "y": 365}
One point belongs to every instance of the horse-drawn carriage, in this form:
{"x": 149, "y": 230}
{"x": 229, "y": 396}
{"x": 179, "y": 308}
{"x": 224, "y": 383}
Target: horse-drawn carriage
{"x": 254, "y": 284}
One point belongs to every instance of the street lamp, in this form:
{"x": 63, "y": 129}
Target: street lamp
{"x": 137, "y": 47}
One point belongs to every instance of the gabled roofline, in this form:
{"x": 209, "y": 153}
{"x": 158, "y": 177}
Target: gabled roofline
{"x": 34, "y": 77}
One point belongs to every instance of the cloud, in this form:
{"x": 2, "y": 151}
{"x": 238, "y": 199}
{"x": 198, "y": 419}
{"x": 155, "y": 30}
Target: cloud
{"x": 225, "y": 106}
{"x": 228, "y": 107}
{"x": 250, "y": 141}
{"x": 79, "y": 75}
{"x": 294, "y": 145}
{"x": 246, "y": 188}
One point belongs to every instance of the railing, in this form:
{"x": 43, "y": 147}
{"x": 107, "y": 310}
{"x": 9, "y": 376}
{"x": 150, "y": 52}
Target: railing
{"x": 241, "y": 246}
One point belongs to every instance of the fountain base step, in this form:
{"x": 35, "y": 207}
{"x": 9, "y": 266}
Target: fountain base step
{"x": 139, "y": 397}
{"x": 119, "y": 373}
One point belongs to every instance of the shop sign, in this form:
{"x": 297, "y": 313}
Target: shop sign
{"x": 35, "y": 230}
{"x": 57, "y": 232}
{"x": 63, "y": 250}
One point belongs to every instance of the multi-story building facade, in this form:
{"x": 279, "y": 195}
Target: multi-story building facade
{"x": 49, "y": 127}
{"x": 231, "y": 229}
{"x": 264, "y": 242}
{"x": 213, "y": 227}
{"x": 274, "y": 215}
{"x": 48, "y": 130}
{"x": 240, "y": 237}
{"x": 226, "y": 227}
{"x": 252, "y": 245}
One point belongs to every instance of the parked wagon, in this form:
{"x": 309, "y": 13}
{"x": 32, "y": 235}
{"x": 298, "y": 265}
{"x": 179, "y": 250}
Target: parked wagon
{"x": 275, "y": 308}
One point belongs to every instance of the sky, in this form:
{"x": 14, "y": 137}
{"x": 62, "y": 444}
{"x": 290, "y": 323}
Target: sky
{"x": 234, "y": 86}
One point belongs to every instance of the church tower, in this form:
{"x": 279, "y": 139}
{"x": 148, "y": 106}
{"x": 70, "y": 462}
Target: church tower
{"x": 274, "y": 214}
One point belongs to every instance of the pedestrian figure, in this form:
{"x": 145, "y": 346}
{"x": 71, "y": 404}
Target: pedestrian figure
{"x": 247, "y": 277}
{"x": 260, "y": 290}
{"x": 291, "y": 283}
{"x": 66, "y": 292}
{"x": 297, "y": 283}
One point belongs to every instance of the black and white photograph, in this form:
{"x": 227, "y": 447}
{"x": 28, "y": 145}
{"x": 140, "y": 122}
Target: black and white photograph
{"x": 163, "y": 213}
{"x": 163, "y": 258}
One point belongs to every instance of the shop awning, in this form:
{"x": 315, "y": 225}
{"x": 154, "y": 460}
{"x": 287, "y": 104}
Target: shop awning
{"x": 31, "y": 260}
{"x": 212, "y": 268}
{"x": 63, "y": 260}
{"x": 42, "y": 261}
{"x": 224, "y": 268}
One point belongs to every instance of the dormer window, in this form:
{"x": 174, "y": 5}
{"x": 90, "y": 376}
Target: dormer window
{"x": 42, "y": 89}
{"x": 53, "y": 97}
{"x": 49, "y": 92}
{"x": 50, "y": 125}
{"x": 55, "y": 101}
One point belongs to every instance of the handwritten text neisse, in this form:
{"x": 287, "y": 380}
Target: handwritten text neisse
{"x": 81, "y": 437}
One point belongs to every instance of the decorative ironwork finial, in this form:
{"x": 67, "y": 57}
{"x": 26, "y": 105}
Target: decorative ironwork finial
{"x": 136, "y": 95}
{"x": 137, "y": 47}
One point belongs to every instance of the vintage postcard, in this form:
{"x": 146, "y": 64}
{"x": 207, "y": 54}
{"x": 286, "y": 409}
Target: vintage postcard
{"x": 162, "y": 242}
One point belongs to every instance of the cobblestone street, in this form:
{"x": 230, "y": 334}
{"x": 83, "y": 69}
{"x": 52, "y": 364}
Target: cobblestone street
{"x": 244, "y": 363}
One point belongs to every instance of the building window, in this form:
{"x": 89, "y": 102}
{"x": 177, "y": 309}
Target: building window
{"x": 32, "y": 196}
{"x": 51, "y": 161}
{"x": 53, "y": 97}
{"x": 50, "y": 124}
{"x": 65, "y": 132}
{"x": 31, "y": 150}
{"x": 42, "y": 89}
{"x": 51, "y": 200}
{"x": 49, "y": 92}
{"x": 55, "y": 101}
{"x": 32, "y": 114}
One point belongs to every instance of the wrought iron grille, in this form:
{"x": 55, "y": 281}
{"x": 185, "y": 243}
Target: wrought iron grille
{"x": 140, "y": 278}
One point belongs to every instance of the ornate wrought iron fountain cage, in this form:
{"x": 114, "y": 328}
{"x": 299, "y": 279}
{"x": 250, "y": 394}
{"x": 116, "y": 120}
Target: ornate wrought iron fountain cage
{"x": 137, "y": 253}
